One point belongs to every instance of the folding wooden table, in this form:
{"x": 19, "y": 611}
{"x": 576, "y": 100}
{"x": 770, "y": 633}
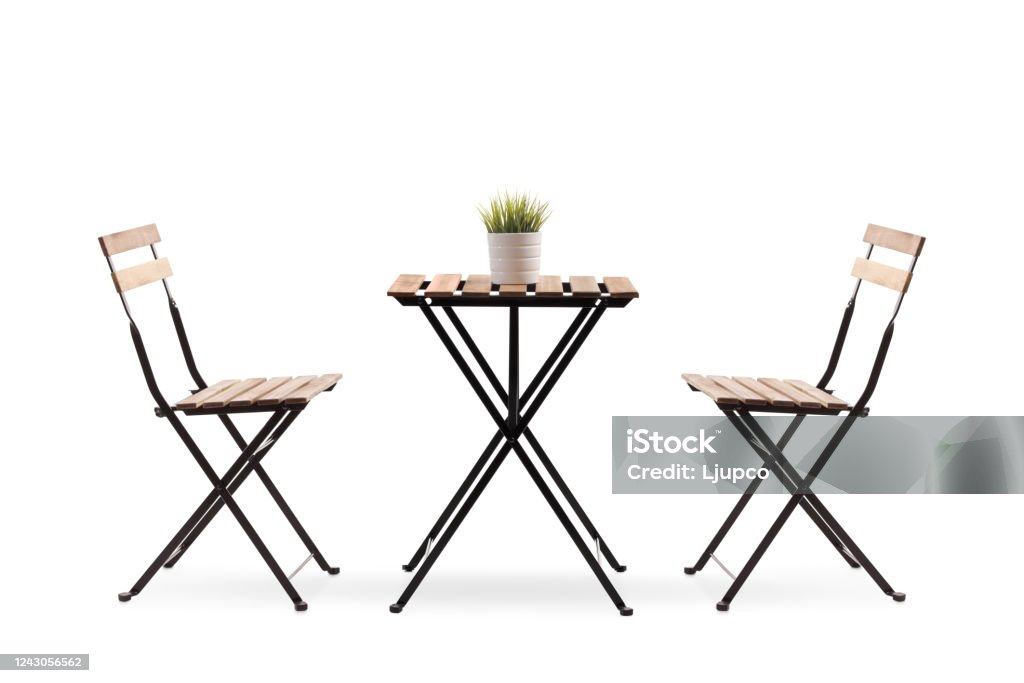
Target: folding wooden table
{"x": 449, "y": 292}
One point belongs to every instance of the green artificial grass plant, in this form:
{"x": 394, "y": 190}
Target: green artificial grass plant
{"x": 517, "y": 212}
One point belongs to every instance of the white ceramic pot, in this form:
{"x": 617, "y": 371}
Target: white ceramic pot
{"x": 515, "y": 257}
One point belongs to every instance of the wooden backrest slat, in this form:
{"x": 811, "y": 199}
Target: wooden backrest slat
{"x": 896, "y": 240}
{"x": 142, "y": 274}
{"x": 881, "y": 274}
{"x": 126, "y": 240}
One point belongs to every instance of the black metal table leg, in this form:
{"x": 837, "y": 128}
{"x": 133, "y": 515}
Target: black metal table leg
{"x": 460, "y": 494}
{"x": 511, "y": 428}
{"x": 503, "y": 395}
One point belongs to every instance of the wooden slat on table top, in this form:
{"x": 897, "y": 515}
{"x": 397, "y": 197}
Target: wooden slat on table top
{"x": 477, "y": 285}
{"x": 512, "y": 290}
{"x": 620, "y": 288}
{"x": 443, "y": 285}
{"x": 549, "y": 285}
{"x": 584, "y": 286}
{"x": 406, "y": 285}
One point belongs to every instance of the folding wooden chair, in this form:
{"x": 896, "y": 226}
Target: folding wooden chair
{"x": 738, "y": 397}
{"x": 283, "y": 397}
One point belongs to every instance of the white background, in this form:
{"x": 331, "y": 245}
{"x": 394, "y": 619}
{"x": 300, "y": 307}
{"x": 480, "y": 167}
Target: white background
{"x": 298, "y": 156}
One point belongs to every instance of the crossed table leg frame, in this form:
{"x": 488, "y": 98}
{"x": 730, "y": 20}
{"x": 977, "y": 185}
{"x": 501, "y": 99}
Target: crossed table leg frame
{"x": 799, "y": 488}
{"x": 511, "y": 427}
{"x": 248, "y": 461}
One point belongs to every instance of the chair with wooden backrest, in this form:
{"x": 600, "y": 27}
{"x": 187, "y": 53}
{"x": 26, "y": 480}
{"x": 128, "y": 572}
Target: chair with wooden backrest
{"x": 283, "y": 397}
{"x": 738, "y": 397}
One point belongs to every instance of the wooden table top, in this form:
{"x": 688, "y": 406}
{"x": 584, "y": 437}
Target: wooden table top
{"x": 450, "y": 289}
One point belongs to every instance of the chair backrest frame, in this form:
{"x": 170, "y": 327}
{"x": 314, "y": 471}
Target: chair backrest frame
{"x": 886, "y": 276}
{"x": 147, "y": 273}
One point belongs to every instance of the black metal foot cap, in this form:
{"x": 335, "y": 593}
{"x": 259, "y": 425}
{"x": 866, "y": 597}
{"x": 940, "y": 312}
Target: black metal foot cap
{"x": 301, "y": 606}
{"x": 408, "y": 567}
{"x": 125, "y": 597}
{"x": 722, "y": 606}
{"x": 333, "y": 570}
{"x": 396, "y": 608}
{"x": 626, "y": 611}
{"x": 689, "y": 570}
{"x": 898, "y": 597}
{"x": 621, "y": 568}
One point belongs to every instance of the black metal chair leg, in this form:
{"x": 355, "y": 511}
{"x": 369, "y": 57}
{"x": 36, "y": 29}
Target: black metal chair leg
{"x": 573, "y": 534}
{"x": 168, "y": 549}
{"x": 275, "y": 568}
{"x": 447, "y": 534}
{"x": 775, "y": 459}
{"x": 745, "y": 498}
{"x": 237, "y": 474}
{"x": 294, "y": 521}
{"x": 172, "y": 552}
{"x": 452, "y": 504}
{"x": 723, "y": 605}
{"x": 857, "y": 552}
{"x": 726, "y": 526}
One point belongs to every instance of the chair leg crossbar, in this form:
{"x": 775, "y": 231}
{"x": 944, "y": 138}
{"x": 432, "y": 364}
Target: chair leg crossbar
{"x": 248, "y": 461}
{"x": 512, "y": 426}
{"x": 799, "y": 488}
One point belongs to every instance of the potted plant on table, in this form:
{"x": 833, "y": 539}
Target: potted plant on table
{"x": 513, "y": 224}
